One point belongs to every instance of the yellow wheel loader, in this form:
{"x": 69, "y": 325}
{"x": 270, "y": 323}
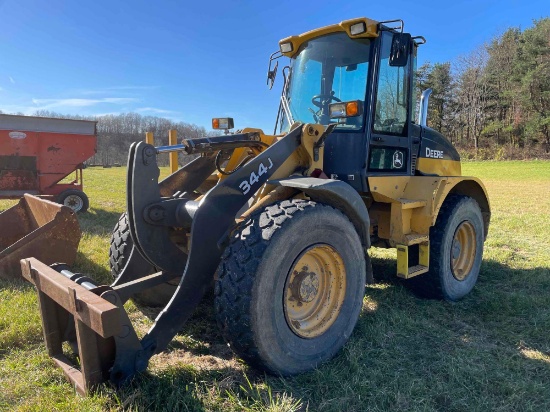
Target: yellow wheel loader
{"x": 282, "y": 223}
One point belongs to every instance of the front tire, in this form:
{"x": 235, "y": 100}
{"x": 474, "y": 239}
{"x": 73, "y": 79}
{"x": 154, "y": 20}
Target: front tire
{"x": 456, "y": 251}
{"x": 122, "y": 252}
{"x": 290, "y": 286}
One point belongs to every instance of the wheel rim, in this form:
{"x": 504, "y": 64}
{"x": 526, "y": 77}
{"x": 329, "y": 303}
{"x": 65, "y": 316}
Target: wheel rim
{"x": 74, "y": 202}
{"x": 314, "y": 291}
{"x": 463, "y": 250}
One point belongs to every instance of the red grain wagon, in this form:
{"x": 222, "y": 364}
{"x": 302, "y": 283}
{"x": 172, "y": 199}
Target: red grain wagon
{"x": 36, "y": 153}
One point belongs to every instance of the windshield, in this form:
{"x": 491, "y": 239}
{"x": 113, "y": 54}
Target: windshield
{"x": 326, "y": 70}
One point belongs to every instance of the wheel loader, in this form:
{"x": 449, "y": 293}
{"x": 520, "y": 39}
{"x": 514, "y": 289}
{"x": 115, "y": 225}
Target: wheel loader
{"x": 281, "y": 224}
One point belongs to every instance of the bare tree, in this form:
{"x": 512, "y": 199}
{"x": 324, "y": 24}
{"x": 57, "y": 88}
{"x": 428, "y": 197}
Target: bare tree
{"x": 471, "y": 92}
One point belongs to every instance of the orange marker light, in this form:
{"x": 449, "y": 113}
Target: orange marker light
{"x": 352, "y": 108}
{"x": 215, "y": 123}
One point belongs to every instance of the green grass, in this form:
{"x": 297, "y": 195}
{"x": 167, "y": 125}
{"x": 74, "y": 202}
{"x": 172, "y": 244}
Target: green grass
{"x": 491, "y": 351}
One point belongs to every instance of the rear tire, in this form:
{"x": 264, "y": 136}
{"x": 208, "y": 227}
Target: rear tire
{"x": 290, "y": 286}
{"x": 456, "y": 251}
{"x": 121, "y": 252}
{"x": 75, "y": 199}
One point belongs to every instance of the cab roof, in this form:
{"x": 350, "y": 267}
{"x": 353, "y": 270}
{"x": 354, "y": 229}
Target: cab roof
{"x": 344, "y": 26}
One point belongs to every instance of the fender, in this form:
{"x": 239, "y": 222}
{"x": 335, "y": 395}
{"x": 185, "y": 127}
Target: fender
{"x": 433, "y": 190}
{"x": 473, "y": 187}
{"x": 337, "y": 194}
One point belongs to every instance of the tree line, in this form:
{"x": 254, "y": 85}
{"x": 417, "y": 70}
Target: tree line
{"x": 495, "y": 101}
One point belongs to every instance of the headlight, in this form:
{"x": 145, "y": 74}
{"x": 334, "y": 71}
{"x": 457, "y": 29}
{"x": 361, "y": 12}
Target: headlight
{"x": 346, "y": 109}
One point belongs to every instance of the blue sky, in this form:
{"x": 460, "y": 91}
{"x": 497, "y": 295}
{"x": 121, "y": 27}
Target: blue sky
{"x": 191, "y": 61}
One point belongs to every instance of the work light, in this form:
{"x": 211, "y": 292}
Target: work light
{"x": 286, "y": 47}
{"x": 223, "y": 123}
{"x": 357, "y": 28}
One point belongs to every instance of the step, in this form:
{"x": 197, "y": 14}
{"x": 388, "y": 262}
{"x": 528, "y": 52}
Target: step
{"x": 416, "y": 270}
{"x": 415, "y": 239}
{"x": 405, "y": 271}
{"x": 411, "y": 203}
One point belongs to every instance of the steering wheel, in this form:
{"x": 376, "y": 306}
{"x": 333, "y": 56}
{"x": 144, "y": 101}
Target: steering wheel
{"x": 321, "y": 100}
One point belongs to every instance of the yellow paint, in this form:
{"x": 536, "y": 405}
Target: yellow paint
{"x": 302, "y": 158}
{"x": 241, "y": 153}
{"x": 344, "y": 26}
{"x": 465, "y": 237}
{"x": 315, "y": 290}
{"x": 405, "y": 271}
{"x": 310, "y": 135}
{"x": 402, "y": 261}
{"x": 424, "y": 254}
{"x": 426, "y": 194}
{"x": 173, "y": 140}
{"x": 439, "y": 167}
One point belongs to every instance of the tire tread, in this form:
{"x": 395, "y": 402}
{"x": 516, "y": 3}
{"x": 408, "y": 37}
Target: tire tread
{"x": 236, "y": 275}
{"x": 429, "y": 284}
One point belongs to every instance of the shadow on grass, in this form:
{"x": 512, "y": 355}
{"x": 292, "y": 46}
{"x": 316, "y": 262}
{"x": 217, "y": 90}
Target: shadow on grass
{"x": 98, "y": 221}
{"x": 181, "y": 387}
{"x": 489, "y": 351}
{"x": 421, "y": 346}
{"x": 92, "y": 269}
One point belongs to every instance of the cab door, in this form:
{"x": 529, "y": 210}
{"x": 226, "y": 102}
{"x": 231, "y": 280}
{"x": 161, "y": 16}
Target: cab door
{"x": 389, "y": 143}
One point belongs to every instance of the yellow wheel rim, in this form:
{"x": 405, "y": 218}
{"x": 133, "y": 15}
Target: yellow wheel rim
{"x": 315, "y": 289}
{"x": 463, "y": 250}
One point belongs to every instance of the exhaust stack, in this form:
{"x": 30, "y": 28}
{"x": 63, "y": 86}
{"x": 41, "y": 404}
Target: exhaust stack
{"x": 423, "y": 112}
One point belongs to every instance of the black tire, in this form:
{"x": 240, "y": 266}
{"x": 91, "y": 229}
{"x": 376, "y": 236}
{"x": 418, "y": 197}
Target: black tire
{"x": 75, "y": 199}
{"x": 249, "y": 291}
{"x": 121, "y": 251}
{"x": 440, "y": 282}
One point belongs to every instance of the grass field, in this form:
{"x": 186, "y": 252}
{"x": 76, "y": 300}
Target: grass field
{"x": 491, "y": 351}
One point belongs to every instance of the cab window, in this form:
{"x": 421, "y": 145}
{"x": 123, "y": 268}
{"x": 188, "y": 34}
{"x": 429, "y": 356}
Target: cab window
{"x": 392, "y": 97}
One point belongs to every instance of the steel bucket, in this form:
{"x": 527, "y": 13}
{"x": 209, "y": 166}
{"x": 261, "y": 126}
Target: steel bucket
{"x": 37, "y": 228}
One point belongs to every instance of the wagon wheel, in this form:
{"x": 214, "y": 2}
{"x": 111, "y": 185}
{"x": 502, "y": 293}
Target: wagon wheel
{"x": 75, "y": 199}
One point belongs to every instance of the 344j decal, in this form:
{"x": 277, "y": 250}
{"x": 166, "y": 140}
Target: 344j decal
{"x": 254, "y": 178}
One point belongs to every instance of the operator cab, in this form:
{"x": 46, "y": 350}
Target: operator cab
{"x": 363, "y": 81}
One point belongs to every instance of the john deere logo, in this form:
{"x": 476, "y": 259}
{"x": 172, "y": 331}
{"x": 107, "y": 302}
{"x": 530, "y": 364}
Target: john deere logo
{"x": 398, "y": 160}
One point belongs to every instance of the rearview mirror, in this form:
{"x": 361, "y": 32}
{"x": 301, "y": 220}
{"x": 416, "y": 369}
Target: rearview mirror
{"x": 272, "y": 73}
{"x": 400, "y": 49}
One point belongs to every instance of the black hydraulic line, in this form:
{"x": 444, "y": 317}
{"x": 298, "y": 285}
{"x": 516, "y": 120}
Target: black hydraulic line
{"x": 223, "y": 172}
